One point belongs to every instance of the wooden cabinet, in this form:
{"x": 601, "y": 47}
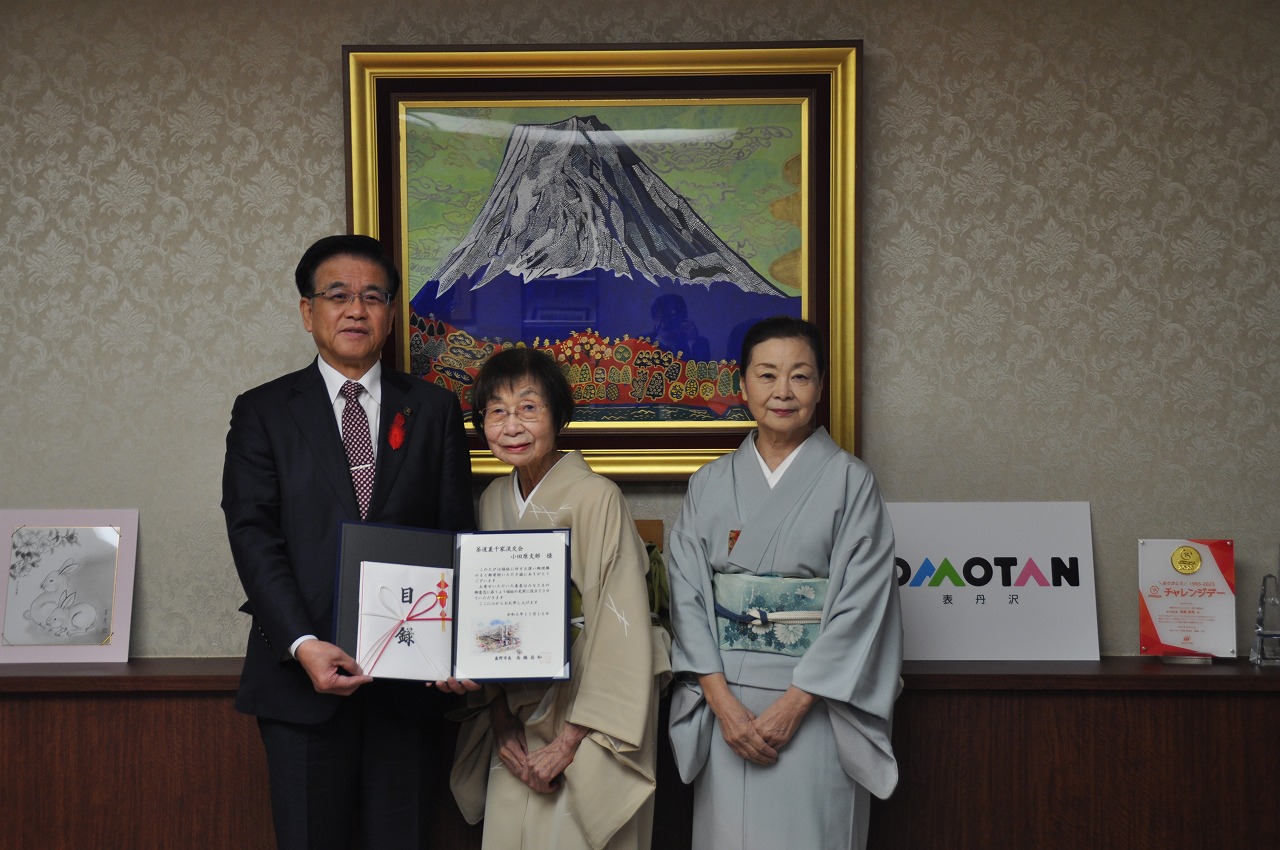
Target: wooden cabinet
{"x": 1123, "y": 753}
{"x": 147, "y": 754}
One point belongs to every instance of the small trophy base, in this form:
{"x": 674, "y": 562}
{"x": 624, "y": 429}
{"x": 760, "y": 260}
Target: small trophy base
{"x": 1265, "y": 651}
{"x": 1187, "y": 659}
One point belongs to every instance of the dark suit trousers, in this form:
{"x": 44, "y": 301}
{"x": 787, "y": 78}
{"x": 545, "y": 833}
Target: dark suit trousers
{"x": 370, "y": 774}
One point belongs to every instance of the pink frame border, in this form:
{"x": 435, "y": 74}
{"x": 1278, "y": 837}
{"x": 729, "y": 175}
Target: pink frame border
{"x": 124, "y": 519}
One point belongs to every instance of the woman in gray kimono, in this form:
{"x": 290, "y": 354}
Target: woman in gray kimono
{"x": 788, "y": 635}
{"x": 565, "y": 764}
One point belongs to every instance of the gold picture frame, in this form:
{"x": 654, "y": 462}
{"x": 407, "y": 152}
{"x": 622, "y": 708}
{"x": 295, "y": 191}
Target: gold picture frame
{"x": 812, "y": 86}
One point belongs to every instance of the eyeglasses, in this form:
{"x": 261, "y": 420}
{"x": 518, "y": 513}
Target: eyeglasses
{"x": 527, "y": 412}
{"x": 341, "y": 297}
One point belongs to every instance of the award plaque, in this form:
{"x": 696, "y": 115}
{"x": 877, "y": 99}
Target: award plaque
{"x": 423, "y": 605}
{"x": 1187, "y": 599}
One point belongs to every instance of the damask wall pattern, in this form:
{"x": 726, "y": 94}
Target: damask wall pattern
{"x": 1070, "y": 279}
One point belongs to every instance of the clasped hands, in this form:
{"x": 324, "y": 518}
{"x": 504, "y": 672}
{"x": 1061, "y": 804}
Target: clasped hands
{"x": 541, "y": 769}
{"x": 757, "y": 739}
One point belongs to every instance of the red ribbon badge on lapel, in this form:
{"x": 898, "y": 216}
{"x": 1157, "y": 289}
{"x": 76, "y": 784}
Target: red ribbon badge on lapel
{"x": 395, "y": 437}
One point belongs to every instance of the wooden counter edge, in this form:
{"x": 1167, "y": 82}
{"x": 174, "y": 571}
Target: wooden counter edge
{"x": 1114, "y": 673}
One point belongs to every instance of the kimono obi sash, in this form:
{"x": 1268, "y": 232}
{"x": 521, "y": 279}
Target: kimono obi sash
{"x": 659, "y": 596}
{"x": 779, "y": 614}
{"x": 577, "y": 621}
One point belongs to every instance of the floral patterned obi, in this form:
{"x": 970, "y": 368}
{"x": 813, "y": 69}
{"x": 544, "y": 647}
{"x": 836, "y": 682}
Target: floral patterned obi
{"x": 768, "y": 613}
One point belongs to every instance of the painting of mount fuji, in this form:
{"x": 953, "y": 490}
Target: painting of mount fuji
{"x": 635, "y": 242}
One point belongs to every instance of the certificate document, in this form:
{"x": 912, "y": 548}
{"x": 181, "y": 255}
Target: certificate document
{"x": 422, "y": 605}
{"x": 513, "y": 605}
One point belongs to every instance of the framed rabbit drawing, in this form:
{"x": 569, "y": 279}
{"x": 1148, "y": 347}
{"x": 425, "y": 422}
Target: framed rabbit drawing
{"x": 68, "y": 586}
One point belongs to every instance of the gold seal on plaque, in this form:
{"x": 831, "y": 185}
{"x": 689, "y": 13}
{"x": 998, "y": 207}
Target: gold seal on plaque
{"x": 1185, "y": 560}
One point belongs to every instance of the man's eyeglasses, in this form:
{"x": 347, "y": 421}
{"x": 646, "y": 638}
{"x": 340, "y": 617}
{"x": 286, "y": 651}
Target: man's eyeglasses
{"x": 343, "y": 297}
{"x": 496, "y": 414}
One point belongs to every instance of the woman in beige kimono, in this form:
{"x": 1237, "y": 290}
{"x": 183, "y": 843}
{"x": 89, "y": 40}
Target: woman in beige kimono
{"x": 567, "y": 764}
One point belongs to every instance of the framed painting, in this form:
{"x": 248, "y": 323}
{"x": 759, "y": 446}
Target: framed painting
{"x": 69, "y": 586}
{"x": 629, "y": 210}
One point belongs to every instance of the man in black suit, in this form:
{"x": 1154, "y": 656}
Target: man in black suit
{"x": 347, "y": 755}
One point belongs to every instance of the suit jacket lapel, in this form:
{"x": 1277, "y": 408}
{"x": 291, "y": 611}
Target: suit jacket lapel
{"x": 397, "y": 413}
{"x": 312, "y": 412}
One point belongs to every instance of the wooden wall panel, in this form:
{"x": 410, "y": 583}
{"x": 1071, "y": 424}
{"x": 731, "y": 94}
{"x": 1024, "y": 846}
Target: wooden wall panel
{"x": 153, "y": 770}
{"x": 1156, "y": 758}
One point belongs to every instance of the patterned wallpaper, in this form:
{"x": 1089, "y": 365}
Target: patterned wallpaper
{"x": 1071, "y": 275}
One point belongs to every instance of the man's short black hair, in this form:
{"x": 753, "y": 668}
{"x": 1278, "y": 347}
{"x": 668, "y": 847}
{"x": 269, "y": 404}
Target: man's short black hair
{"x": 343, "y": 245}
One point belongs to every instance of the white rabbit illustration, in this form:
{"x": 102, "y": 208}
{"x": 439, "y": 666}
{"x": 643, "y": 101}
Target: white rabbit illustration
{"x": 71, "y": 619}
{"x": 55, "y": 586}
